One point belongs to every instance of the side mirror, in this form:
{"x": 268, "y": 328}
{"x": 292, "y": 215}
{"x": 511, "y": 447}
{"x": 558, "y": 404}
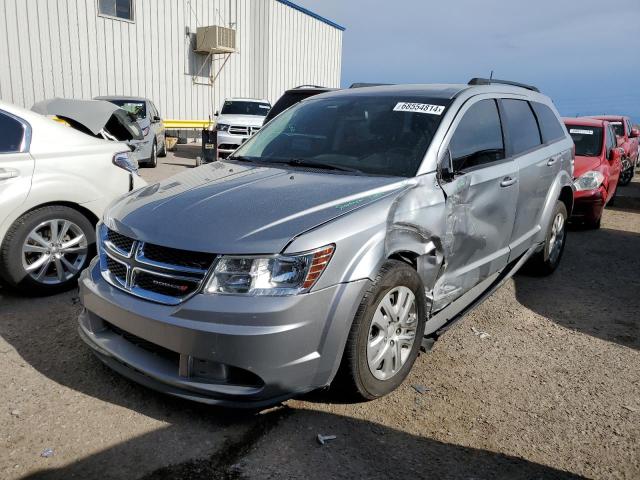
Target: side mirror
{"x": 447, "y": 172}
{"x": 635, "y": 133}
{"x": 615, "y": 155}
{"x": 156, "y": 119}
{"x": 216, "y": 114}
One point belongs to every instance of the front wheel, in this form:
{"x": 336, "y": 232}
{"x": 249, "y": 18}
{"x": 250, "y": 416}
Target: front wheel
{"x": 626, "y": 175}
{"x": 153, "y": 159}
{"x": 386, "y": 333}
{"x": 45, "y": 250}
{"x": 163, "y": 150}
{"x": 547, "y": 260}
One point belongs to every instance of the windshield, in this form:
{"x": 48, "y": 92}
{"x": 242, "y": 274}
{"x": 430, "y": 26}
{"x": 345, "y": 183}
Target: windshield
{"x": 234, "y": 107}
{"x": 372, "y": 135}
{"x": 588, "y": 140}
{"x": 619, "y": 129}
{"x": 134, "y": 107}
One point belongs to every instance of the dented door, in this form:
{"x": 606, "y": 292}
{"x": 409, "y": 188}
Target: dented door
{"x": 480, "y": 203}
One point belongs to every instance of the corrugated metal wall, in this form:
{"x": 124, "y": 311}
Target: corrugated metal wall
{"x": 64, "y": 48}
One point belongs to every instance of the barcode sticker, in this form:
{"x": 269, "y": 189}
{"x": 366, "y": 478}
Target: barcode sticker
{"x": 579, "y": 131}
{"x": 419, "y": 108}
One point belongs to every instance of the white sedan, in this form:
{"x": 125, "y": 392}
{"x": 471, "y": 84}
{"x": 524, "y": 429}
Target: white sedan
{"x": 55, "y": 182}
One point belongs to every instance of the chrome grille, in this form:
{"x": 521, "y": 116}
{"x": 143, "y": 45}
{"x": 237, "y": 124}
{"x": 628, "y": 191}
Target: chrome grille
{"x": 242, "y": 130}
{"x": 238, "y": 130}
{"x": 160, "y": 274}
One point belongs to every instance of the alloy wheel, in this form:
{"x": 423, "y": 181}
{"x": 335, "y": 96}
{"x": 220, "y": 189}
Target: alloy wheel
{"x": 557, "y": 237}
{"x": 54, "y": 251}
{"x": 392, "y": 333}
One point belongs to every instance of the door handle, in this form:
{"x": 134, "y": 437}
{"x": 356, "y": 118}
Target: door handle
{"x": 508, "y": 181}
{"x": 552, "y": 160}
{"x": 7, "y": 173}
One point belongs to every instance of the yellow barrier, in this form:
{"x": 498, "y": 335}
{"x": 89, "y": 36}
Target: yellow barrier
{"x": 186, "y": 124}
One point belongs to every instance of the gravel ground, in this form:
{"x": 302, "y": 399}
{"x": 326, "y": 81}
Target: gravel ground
{"x": 554, "y": 392}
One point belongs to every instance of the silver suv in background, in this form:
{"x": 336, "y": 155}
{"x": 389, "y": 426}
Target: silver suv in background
{"x": 354, "y": 226}
{"x": 153, "y": 145}
{"x": 238, "y": 119}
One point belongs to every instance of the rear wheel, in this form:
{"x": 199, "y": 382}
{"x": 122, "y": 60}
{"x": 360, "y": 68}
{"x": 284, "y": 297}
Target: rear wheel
{"x": 547, "y": 260}
{"x": 386, "y": 333}
{"x": 45, "y": 250}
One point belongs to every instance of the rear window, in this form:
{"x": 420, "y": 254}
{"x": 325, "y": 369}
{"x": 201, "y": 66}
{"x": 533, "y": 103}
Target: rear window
{"x": 233, "y": 107}
{"x": 135, "y": 108}
{"x": 588, "y": 140}
{"x": 521, "y": 125}
{"x": 549, "y": 125}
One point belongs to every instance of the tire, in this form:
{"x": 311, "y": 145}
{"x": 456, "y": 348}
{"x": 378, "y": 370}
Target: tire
{"x": 626, "y": 176}
{"x": 547, "y": 260}
{"x": 359, "y": 376}
{"x": 27, "y": 243}
{"x": 163, "y": 152}
{"x": 153, "y": 159}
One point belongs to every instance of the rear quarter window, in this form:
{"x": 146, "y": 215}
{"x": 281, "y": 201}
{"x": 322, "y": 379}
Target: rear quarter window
{"x": 521, "y": 125}
{"x": 550, "y": 127}
{"x": 12, "y": 134}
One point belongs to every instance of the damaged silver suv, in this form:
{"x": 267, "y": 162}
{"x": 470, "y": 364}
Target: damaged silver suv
{"x": 354, "y": 227}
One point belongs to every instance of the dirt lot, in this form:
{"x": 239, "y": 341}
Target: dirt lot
{"x": 554, "y": 392}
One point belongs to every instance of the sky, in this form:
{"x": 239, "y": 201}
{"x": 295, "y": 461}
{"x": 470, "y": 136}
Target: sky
{"x": 584, "y": 54}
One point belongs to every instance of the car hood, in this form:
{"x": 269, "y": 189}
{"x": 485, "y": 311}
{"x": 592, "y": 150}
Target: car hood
{"x": 584, "y": 164}
{"x": 248, "y": 120}
{"x": 228, "y": 208}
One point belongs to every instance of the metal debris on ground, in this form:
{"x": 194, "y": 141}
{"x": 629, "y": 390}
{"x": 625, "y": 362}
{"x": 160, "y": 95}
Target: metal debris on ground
{"x": 15, "y": 413}
{"x": 631, "y": 409}
{"x": 480, "y": 333}
{"x": 322, "y": 439}
{"x": 421, "y": 389}
{"x": 47, "y": 452}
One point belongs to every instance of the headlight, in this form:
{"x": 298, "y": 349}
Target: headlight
{"x": 124, "y": 161}
{"x": 589, "y": 180}
{"x": 222, "y": 127}
{"x": 277, "y": 275}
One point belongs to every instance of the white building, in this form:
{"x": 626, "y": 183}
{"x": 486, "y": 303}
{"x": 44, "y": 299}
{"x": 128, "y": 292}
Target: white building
{"x": 86, "y": 48}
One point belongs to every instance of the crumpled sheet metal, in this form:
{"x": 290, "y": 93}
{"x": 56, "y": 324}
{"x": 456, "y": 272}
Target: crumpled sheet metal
{"x": 440, "y": 233}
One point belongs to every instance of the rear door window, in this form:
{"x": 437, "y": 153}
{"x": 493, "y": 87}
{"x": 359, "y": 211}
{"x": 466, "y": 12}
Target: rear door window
{"x": 12, "y": 134}
{"x": 478, "y": 138}
{"x": 549, "y": 124}
{"x": 521, "y": 125}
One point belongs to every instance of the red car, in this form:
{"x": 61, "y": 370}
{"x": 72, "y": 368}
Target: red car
{"x": 628, "y": 140}
{"x": 597, "y": 167}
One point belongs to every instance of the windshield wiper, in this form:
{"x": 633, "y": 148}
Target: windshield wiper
{"x": 240, "y": 158}
{"x": 304, "y": 162}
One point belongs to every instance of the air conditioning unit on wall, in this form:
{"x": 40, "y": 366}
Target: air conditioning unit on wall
{"x": 215, "y": 39}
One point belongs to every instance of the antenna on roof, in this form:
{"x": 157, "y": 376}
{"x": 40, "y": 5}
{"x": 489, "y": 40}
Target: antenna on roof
{"x": 491, "y": 76}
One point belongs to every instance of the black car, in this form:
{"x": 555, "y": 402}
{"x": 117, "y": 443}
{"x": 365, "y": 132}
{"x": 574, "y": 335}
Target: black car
{"x": 293, "y": 96}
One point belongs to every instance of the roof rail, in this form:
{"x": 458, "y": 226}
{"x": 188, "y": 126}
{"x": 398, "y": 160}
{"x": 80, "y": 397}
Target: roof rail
{"x": 366, "y": 84}
{"x": 309, "y": 86}
{"x": 490, "y": 81}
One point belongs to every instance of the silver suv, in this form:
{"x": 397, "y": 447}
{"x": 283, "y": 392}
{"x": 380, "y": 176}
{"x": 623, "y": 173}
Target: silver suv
{"x": 354, "y": 227}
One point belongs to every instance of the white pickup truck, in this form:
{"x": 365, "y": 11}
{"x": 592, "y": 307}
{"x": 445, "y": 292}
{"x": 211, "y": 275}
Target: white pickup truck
{"x": 237, "y": 120}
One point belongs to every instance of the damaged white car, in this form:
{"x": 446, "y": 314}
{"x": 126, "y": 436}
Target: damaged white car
{"x": 55, "y": 183}
{"x": 352, "y": 228}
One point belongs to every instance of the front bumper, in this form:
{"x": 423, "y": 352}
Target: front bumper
{"x": 228, "y": 143}
{"x": 588, "y": 204}
{"x": 277, "y": 346}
